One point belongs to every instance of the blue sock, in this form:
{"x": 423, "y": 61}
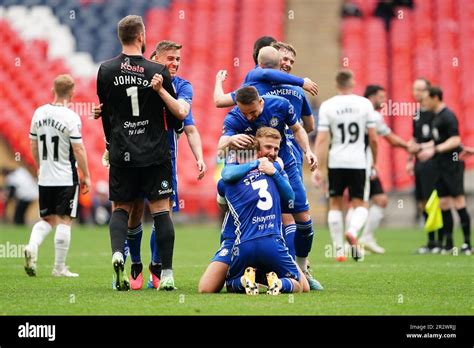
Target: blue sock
{"x": 155, "y": 257}
{"x": 303, "y": 238}
{"x": 290, "y": 239}
{"x": 286, "y": 285}
{"x": 234, "y": 285}
{"x": 134, "y": 240}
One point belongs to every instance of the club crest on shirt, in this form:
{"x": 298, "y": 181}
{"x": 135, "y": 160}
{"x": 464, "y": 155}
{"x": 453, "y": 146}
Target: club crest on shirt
{"x": 224, "y": 252}
{"x": 274, "y": 122}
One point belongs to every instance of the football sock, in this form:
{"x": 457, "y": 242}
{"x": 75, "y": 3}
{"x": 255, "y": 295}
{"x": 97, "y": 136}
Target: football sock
{"x": 376, "y": 214}
{"x": 118, "y": 227}
{"x": 336, "y": 228}
{"x": 290, "y": 231}
{"x": 303, "y": 242}
{"x": 134, "y": 240}
{"x": 359, "y": 217}
{"x": 286, "y": 285}
{"x": 164, "y": 238}
{"x": 39, "y": 232}
{"x": 465, "y": 224}
{"x": 447, "y": 229}
{"x": 431, "y": 235}
{"x": 62, "y": 239}
{"x": 349, "y": 213}
{"x": 155, "y": 256}
{"x": 235, "y": 285}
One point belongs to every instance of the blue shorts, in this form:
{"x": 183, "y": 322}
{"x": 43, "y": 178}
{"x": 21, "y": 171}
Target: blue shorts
{"x": 295, "y": 177}
{"x": 224, "y": 254}
{"x": 174, "y": 184}
{"x": 266, "y": 254}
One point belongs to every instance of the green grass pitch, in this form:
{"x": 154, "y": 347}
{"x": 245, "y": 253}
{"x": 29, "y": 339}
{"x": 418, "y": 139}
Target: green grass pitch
{"x": 398, "y": 282}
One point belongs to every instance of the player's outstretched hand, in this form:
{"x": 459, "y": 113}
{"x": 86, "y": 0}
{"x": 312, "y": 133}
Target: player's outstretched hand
{"x": 221, "y": 75}
{"x": 240, "y": 141}
{"x": 426, "y": 154}
{"x": 105, "y": 159}
{"x": 266, "y": 166}
{"x": 310, "y": 86}
{"x": 85, "y": 184}
{"x": 413, "y": 147}
{"x": 97, "y": 110}
{"x": 312, "y": 160}
{"x": 157, "y": 82}
{"x": 202, "y": 169}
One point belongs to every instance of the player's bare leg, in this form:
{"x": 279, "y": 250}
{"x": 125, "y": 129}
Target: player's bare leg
{"x": 213, "y": 279}
{"x": 164, "y": 232}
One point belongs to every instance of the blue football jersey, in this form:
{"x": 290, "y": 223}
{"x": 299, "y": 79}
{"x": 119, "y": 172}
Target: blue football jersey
{"x": 254, "y": 203}
{"x": 277, "y": 113}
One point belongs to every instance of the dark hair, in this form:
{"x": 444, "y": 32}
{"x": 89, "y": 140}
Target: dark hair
{"x": 129, "y": 27}
{"x": 435, "y": 91}
{"x": 261, "y": 42}
{"x": 343, "y": 77}
{"x": 371, "y": 90}
{"x": 246, "y": 95}
{"x": 426, "y": 81}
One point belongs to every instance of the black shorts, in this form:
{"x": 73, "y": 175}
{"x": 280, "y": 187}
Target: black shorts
{"x": 129, "y": 183}
{"x": 342, "y": 178}
{"x": 376, "y": 187}
{"x": 450, "y": 180}
{"x": 58, "y": 200}
{"x": 425, "y": 179}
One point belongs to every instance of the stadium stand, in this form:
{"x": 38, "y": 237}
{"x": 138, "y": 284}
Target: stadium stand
{"x": 432, "y": 40}
{"x": 43, "y": 38}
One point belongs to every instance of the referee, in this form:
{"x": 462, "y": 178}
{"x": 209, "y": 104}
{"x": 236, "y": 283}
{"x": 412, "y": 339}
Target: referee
{"x": 445, "y": 149}
{"x": 134, "y": 119}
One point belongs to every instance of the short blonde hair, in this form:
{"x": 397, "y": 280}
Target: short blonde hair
{"x": 268, "y": 132}
{"x": 63, "y": 85}
{"x": 284, "y": 46}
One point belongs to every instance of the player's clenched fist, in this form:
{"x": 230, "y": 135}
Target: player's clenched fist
{"x": 157, "y": 82}
{"x": 221, "y": 75}
{"x": 241, "y": 141}
{"x": 312, "y": 160}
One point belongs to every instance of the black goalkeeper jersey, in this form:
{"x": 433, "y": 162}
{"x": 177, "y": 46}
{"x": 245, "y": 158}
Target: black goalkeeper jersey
{"x": 134, "y": 116}
{"x": 445, "y": 126}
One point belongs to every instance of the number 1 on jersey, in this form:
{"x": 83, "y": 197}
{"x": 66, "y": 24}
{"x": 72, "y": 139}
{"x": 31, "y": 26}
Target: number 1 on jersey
{"x": 133, "y": 92}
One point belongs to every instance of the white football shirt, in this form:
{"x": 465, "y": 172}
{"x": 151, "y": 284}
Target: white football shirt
{"x": 383, "y": 130}
{"x": 346, "y": 117}
{"x": 56, "y": 127}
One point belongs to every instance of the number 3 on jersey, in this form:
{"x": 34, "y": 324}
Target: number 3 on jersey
{"x": 133, "y": 92}
{"x": 266, "y": 200}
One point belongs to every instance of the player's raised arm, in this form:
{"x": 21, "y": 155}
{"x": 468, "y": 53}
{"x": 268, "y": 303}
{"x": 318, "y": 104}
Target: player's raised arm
{"x": 221, "y": 99}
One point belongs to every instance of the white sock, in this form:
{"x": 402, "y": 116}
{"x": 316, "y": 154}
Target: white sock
{"x": 117, "y": 255}
{"x": 376, "y": 214}
{"x": 336, "y": 227}
{"x": 359, "y": 217}
{"x": 349, "y": 214}
{"x": 166, "y": 273}
{"x": 302, "y": 262}
{"x": 62, "y": 239}
{"x": 39, "y": 232}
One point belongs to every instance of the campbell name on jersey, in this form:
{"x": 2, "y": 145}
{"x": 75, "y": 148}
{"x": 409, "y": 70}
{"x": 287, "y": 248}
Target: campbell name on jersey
{"x": 56, "y": 127}
{"x": 346, "y": 117}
